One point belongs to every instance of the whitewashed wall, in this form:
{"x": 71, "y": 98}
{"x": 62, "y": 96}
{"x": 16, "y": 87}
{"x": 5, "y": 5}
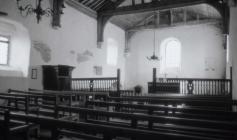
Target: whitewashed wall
{"x": 62, "y": 46}
{"x": 199, "y": 43}
{"x": 233, "y": 47}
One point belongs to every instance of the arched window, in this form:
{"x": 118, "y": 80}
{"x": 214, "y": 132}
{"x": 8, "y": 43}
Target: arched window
{"x": 112, "y": 52}
{"x": 171, "y": 55}
{"x": 4, "y": 47}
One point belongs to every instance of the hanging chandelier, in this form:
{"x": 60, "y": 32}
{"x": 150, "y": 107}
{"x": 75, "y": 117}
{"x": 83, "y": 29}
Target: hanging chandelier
{"x": 154, "y": 56}
{"x": 38, "y": 10}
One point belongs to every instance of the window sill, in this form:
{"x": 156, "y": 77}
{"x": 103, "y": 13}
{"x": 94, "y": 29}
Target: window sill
{"x": 6, "y": 70}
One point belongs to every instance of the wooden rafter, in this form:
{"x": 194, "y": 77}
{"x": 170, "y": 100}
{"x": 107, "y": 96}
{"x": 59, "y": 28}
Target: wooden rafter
{"x": 57, "y": 8}
{"x": 157, "y": 5}
{"x": 82, "y": 8}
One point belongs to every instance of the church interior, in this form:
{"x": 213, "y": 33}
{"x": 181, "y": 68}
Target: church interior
{"x": 118, "y": 69}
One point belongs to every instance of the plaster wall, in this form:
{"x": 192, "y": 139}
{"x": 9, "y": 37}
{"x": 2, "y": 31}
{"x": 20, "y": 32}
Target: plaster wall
{"x": 199, "y": 44}
{"x": 233, "y": 47}
{"x": 74, "y": 44}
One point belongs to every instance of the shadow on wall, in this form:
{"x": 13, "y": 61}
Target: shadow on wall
{"x": 15, "y": 73}
{"x": 19, "y": 46}
{"x": 20, "y": 83}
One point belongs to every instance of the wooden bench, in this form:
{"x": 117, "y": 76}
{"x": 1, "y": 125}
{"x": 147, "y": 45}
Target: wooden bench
{"x": 198, "y": 102}
{"x": 186, "y": 112}
{"x": 204, "y": 127}
{"x": 12, "y": 129}
{"x": 186, "y": 127}
{"x": 108, "y": 132}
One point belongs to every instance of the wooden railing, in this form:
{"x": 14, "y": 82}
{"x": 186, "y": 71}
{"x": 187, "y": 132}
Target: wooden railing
{"x": 104, "y": 84}
{"x": 196, "y": 86}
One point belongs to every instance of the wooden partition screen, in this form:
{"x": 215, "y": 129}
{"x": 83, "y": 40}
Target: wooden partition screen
{"x": 195, "y": 86}
{"x": 104, "y": 84}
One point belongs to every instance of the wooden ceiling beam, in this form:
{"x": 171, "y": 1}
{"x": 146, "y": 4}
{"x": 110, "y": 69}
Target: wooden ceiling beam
{"x": 96, "y": 3}
{"x": 82, "y": 8}
{"x": 154, "y": 5}
{"x": 192, "y": 22}
{"x": 88, "y": 3}
{"x": 101, "y": 6}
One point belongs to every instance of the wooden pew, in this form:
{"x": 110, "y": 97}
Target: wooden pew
{"x": 13, "y": 129}
{"x": 225, "y": 104}
{"x": 75, "y": 95}
{"x": 186, "y": 112}
{"x": 108, "y": 132}
{"x": 17, "y": 101}
{"x": 53, "y": 99}
{"x": 180, "y": 125}
{"x": 134, "y": 120}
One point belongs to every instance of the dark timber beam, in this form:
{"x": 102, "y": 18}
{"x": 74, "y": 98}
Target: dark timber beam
{"x": 220, "y": 5}
{"x": 154, "y": 5}
{"x": 193, "y": 22}
{"x": 82, "y": 8}
{"x": 101, "y": 22}
{"x": 57, "y": 11}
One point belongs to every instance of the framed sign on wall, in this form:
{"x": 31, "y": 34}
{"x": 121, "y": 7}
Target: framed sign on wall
{"x": 34, "y": 74}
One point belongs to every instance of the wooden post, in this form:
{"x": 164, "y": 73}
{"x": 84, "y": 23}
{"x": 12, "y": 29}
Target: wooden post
{"x": 231, "y": 82}
{"x": 107, "y": 137}
{"x": 9, "y": 90}
{"x": 56, "y": 107}
{"x": 134, "y": 123}
{"x": 55, "y": 133}
{"x": 70, "y": 104}
{"x": 37, "y": 105}
{"x": 57, "y": 11}
{"x": 118, "y": 82}
{"x": 150, "y": 123}
{"x": 154, "y": 80}
{"x": 91, "y": 85}
{"x": 27, "y": 104}
{"x": 7, "y": 125}
{"x": 190, "y": 86}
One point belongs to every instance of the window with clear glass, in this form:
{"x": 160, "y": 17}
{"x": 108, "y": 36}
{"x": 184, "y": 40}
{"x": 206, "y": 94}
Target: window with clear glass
{"x": 171, "y": 54}
{"x": 4, "y": 50}
{"x": 112, "y": 52}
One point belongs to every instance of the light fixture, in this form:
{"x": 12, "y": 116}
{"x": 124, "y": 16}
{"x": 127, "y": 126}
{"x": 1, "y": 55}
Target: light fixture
{"x": 38, "y": 10}
{"x": 154, "y": 56}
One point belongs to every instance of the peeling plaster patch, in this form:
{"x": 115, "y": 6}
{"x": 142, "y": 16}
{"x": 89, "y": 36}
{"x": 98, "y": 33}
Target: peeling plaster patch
{"x": 88, "y": 53}
{"x": 85, "y": 56}
{"x": 43, "y": 49}
{"x": 72, "y": 52}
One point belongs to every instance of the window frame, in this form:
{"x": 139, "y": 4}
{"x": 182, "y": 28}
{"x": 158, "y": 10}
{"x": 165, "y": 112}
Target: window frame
{"x": 112, "y": 45}
{"x": 163, "y": 53}
{"x": 8, "y": 49}
{"x": 178, "y": 65}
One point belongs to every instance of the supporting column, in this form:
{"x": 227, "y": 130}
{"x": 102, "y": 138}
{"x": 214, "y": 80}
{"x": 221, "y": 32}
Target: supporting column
{"x": 101, "y": 22}
{"x": 154, "y": 80}
{"x": 233, "y": 48}
{"x": 128, "y": 36}
{"x": 58, "y": 6}
{"x": 118, "y": 82}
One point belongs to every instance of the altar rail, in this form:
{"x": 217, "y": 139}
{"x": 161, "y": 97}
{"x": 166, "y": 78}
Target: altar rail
{"x": 104, "y": 84}
{"x": 196, "y": 86}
